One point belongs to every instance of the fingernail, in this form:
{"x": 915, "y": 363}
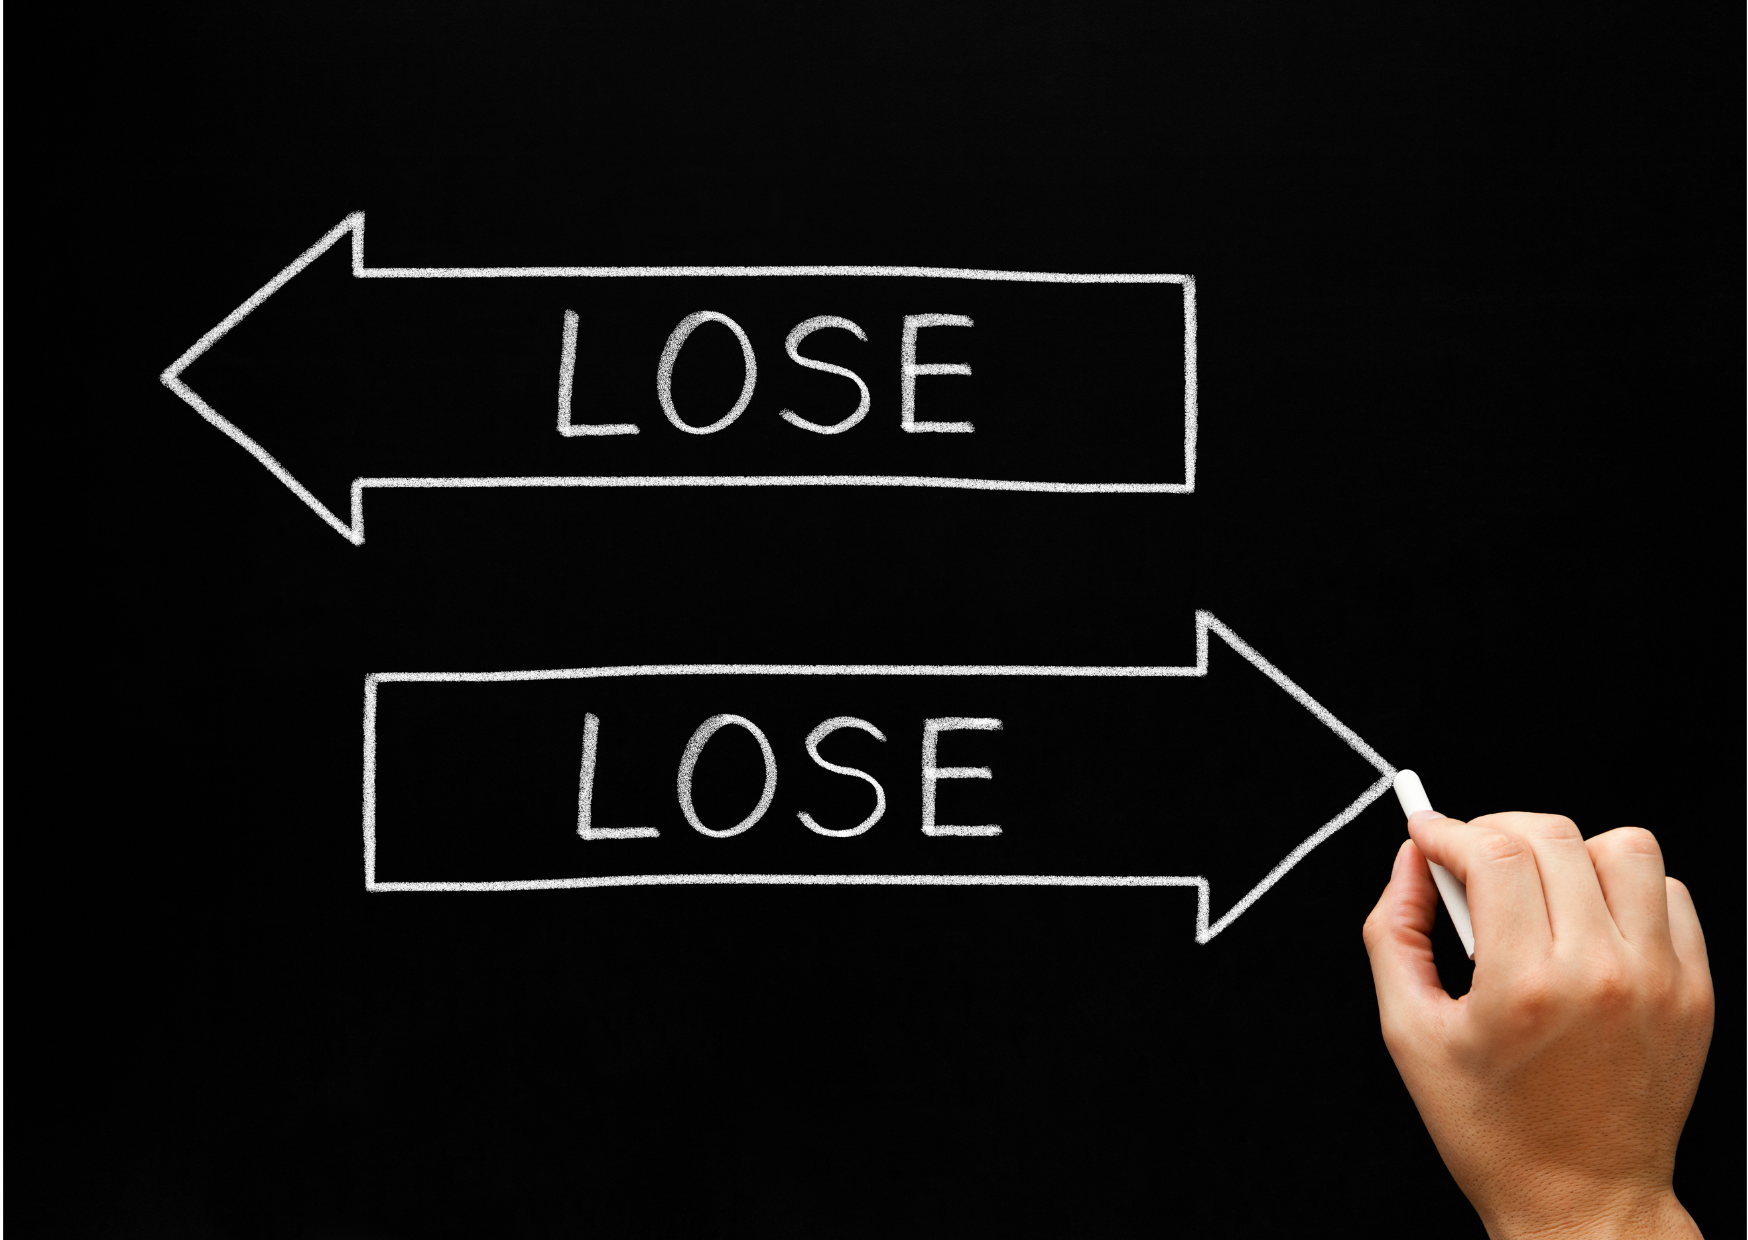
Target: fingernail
{"x": 1422, "y": 815}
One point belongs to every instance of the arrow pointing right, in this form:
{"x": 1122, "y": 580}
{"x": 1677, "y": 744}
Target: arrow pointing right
{"x": 614, "y": 776}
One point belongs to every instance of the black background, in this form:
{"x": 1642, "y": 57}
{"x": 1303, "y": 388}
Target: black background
{"x": 1470, "y": 472}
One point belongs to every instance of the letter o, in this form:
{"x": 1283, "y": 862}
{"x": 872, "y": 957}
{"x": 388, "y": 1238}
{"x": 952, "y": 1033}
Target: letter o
{"x": 671, "y": 354}
{"x": 689, "y": 761}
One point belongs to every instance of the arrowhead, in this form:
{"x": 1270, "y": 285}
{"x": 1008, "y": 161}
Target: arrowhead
{"x": 1287, "y": 774}
{"x": 285, "y": 413}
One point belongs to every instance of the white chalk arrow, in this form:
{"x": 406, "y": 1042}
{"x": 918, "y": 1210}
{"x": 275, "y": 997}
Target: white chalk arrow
{"x": 352, "y": 527}
{"x": 1206, "y": 626}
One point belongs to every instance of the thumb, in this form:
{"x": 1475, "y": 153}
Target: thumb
{"x": 1398, "y": 938}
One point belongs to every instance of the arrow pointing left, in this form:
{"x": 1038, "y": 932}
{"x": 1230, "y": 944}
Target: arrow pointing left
{"x": 444, "y": 377}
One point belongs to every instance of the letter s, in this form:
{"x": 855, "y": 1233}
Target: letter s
{"x": 793, "y": 344}
{"x": 813, "y": 739}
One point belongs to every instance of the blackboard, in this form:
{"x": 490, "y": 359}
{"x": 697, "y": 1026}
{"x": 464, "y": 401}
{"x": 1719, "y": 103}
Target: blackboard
{"x": 449, "y": 831}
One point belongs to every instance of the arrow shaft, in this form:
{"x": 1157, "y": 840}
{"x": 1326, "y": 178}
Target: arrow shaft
{"x": 354, "y": 224}
{"x": 480, "y": 780}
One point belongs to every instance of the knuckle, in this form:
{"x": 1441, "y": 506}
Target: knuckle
{"x": 1696, "y": 987}
{"x": 1700, "y": 1006}
{"x": 1610, "y": 986}
{"x": 1499, "y": 847}
{"x": 1533, "y": 1001}
{"x": 1551, "y": 828}
{"x": 1662, "y": 992}
{"x": 1373, "y": 930}
{"x": 1630, "y": 842}
{"x": 1538, "y": 827}
{"x": 1602, "y": 983}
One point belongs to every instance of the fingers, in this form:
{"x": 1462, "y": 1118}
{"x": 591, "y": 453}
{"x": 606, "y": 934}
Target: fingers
{"x": 1398, "y": 939}
{"x": 1629, "y": 867}
{"x": 1576, "y": 909}
{"x": 1689, "y": 940}
{"x": 1508, "y": 908}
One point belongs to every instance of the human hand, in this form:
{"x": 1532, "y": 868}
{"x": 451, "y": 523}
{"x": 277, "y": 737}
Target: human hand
{"x": 1556, "y": 1088}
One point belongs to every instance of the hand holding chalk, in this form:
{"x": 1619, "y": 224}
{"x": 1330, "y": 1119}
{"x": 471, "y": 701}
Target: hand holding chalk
{"x": 1556, "y": 1089}
{"x": 1412, "y": 795}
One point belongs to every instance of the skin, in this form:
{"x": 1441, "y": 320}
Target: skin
{"x": 1556, "y": 1089}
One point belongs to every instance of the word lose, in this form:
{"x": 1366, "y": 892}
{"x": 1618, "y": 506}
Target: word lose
{"x": 931, "y": 773}
{"x": 909, "y": 371}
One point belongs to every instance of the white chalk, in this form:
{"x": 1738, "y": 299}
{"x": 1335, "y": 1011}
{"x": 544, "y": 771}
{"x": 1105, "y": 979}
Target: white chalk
{"x": 353, "y": 532}
{"x": 1208, "y": 627}
{"x": 1412, "y": 794}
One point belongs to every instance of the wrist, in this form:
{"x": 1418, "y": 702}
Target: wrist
{"x": 1656, "y": 1216}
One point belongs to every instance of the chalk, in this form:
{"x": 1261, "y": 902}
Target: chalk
{"x": 1412, "y": 794}
{"x": 792, "y": 344}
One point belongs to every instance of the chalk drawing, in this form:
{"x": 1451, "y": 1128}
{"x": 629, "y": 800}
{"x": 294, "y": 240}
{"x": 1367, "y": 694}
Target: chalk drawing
{"x": 1206, "y": 625}
{"x": 567, "y": 370}
{"x": 792, "y": 346}
{"x": 671, "y": 354}
{"x": 689, "y": 763}
{"x": 586, "y": 793}
{"x": 932, "y": 729}
{"x": 353, "y": 530}
{"x": 813, "y": 739}
{"x": 909, "y": 369}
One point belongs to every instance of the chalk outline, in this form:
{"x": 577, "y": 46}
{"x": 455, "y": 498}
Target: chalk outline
{"x": 354, "y": 532}
{"x": 1206, "y": 623}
